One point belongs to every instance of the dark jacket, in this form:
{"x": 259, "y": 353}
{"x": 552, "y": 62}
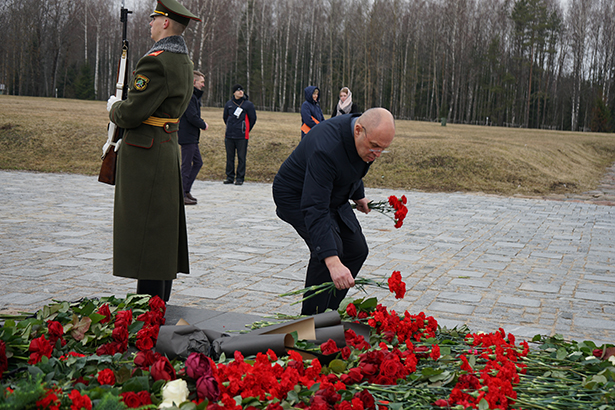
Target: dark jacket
{"x": 191, "y": 123}
{"x": 310, "y": 108}
{"x": 238, "y": 126}
{"x": 354, "y": 109}
{"x": 319, "y": 177}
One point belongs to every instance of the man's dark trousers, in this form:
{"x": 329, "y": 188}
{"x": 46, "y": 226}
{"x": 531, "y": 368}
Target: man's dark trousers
{"x": 352, "y": 250}
{"x": 241, "y": 147}
{"x": 191, "y": 164}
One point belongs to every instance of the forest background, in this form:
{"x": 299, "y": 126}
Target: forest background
{"x": 527, "y": 63}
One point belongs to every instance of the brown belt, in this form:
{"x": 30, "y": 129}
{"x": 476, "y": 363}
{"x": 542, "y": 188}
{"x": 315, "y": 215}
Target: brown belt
{"x": 161, "y": 122}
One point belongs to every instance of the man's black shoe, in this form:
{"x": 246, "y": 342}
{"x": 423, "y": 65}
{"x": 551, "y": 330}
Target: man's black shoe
{"x": 188, "y": 201}
{"x": 228, "y": 181}
{"x": 189, "y": 195}
{"x": 238, "y": 182}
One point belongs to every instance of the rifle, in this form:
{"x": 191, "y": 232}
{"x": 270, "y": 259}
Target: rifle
{"x": 115, "y": 133}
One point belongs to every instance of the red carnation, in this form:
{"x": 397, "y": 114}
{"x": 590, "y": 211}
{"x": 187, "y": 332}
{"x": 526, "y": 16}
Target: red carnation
{"x": 396, "y": 285}
{"x": 156, "y": 304}
{"x": 79, "y": 402}
{"x": 435, "y": 352}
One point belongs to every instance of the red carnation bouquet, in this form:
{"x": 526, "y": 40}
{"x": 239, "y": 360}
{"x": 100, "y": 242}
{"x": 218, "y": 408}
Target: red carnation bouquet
{"x": 394, "y": 284}
{"x": 394, "y": 205}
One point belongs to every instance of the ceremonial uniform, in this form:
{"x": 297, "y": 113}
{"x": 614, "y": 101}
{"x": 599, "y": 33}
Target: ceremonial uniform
{"x": 149, "y": 226}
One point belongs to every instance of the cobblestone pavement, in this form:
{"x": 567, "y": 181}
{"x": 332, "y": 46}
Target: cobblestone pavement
{"x": 528, "y": 265}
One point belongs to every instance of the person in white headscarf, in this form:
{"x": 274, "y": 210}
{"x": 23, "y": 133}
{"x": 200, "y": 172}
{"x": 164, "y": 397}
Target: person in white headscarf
{"x": 345, "y": 104}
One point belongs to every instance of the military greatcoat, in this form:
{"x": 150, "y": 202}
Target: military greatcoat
{"x": 149, "y": 225}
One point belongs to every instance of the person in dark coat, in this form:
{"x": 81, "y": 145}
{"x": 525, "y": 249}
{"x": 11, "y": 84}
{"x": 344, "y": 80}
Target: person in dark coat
{"x": 150, "y": 241}
{"x": 345, "y": 104}
{"x": 311, "y": 114}
{"x": 239, "y": 116}
{"x": 190, "y": 126}
{"x": 311, "y": 192}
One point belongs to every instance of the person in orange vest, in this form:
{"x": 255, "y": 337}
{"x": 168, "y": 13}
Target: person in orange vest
{"x": 311, "y": 114}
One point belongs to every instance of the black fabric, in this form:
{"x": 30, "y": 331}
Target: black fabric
{"x": 160, "y": 288}
{"x": 241, "y": 148}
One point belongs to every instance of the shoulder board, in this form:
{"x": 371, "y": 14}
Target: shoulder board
{"x": 156, "y": 53}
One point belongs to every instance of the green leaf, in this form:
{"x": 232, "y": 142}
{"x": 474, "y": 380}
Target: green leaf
{"x": 368, "y": 304}
{"x": 483, "y": 404}
{"x": 136, "y": 384}
{"x": 561, "y": 353}
{"x": 337, "y": 366}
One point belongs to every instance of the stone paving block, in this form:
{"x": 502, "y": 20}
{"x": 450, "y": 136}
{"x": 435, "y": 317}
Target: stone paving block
{"x": 460, "y": 297}
{"x": 28, "y": 273}
{"x": 23, "y": 298}
{"x": 206, "y": 293}
{"x": 72, "y": 233}
{"x": 68, "y": 262}
{"x": 546, "y": 255}
{"x": 98, "y": 256}
{"x": 537, "y": 287}
{"x": 511, "y": 300}
{"x": 452, "y": 307}
{"x": 463, "y": 273}
{"x": 51, "y": 249}
{"x": 606, "y": 324}
{"x": 604, "y": 297}
{"x": 475, "y": 283}
{"x": 281, "y": 261}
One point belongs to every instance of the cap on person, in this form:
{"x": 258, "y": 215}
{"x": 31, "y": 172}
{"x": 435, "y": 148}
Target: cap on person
{"x": 175, "y": 11}
{"x": 237, "y": 87}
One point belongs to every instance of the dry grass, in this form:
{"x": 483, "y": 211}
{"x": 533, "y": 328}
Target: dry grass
{"x": 50, "y": 135}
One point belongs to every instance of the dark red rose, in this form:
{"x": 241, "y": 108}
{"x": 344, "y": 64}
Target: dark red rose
{"x": 123, "y": 318}
{"x": 55, "y": 329}
{"x": 351, "y": 310}
{"x": 131, "y": 399}
{"x": 421, "y": 351}
{"x": 198, "y": 365}
{"x": 391, "y": 368}
{"x": 156, "y": 304}
{"x": 274, "y": 406}
{"x": 145, "y": 344}
{"x": 368, "y": 400}
{"x": 106, "y": 376}
{"x": 39, "y": 347}
{"x": 346, "y": 352}
{"x": 163, "y": 370}
{"x": 345, "y": 405}
{"x": 363, "y": 315}
{"x": 120, "y": 334}
{"x": 4, "y": 363}
{"x": 145, "y": 397}
{"x": 329, "y": 347}
{"x": 104, "y": 310}
{"x": 353, "y": 376}
{"x": 144, "y": 359}
{"x": 207, "y": 388}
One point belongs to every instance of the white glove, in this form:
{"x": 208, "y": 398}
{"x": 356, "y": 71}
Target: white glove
{"x": 112, "y": 100}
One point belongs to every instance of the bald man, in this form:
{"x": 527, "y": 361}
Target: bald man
{"x": 312, "y": 190}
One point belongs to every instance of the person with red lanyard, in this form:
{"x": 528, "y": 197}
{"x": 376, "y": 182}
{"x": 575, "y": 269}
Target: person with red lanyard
{"x": 311, "y": 114}
{"x": 239, "y": 116}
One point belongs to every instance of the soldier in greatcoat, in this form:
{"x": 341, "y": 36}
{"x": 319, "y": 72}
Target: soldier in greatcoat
{"x": 150, "y": 241}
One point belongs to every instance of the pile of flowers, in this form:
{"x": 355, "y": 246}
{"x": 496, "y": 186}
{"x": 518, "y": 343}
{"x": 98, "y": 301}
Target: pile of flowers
{"x": 99, "y": 354}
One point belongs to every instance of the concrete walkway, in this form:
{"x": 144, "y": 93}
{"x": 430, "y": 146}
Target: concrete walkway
{"x": 528, "y": 265}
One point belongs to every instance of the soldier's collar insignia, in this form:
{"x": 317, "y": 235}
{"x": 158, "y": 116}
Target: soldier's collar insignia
{"x": 156, "y": 53}
{"x": 141, "y": 82}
